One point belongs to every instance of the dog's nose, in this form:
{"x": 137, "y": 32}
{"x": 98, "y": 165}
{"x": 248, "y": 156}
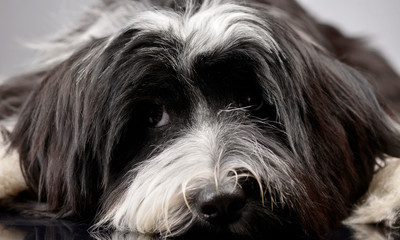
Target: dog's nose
{"x": 221, "y": 207}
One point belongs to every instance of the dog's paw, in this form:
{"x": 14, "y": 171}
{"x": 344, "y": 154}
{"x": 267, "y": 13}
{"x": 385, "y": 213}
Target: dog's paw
{"x": 381, "y": 203}
{"x": 11, "y": 180}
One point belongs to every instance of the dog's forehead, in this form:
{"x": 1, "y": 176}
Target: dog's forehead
{"x": 211, "y": 38}
{"x": 209, "y": 27}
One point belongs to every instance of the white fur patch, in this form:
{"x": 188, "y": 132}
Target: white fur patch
{"x": 215, "y": 25}
{"x": 11, "y": 179}
{"x": 382, "y": 200}
{"x": 368, "y": 232}
{"x": 7, "y": 233}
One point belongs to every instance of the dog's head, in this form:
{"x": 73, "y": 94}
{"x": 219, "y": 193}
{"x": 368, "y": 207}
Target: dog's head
{"x": 217, "y": 117}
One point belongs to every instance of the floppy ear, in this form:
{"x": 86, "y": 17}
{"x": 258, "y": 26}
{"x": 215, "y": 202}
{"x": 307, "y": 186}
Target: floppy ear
{"x": 13, "y": 94}
{"x": 66, "y": 132}
{"x": 33, "y": 139}
{"x": 347, "y": 121}
{"x": 363, "y": 106}
{"x": 56, "y": 156}
{"x": 338, "y": 127}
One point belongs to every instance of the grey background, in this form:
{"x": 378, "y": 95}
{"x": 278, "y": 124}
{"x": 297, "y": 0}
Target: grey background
{"x": 24, "y": 21}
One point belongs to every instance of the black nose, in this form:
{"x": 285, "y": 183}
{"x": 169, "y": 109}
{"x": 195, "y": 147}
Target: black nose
{"x": 221, "y": 207}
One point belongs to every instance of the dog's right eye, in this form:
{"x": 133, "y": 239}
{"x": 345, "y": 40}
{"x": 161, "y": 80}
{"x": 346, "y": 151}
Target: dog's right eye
{"x": 157, "y": 116}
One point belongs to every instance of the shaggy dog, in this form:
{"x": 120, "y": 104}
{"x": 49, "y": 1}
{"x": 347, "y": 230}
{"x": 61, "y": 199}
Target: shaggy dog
{"x": 221, "y": 119}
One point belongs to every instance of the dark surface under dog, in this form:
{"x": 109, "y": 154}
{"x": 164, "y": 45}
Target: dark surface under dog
{"x": 40, "y": 229}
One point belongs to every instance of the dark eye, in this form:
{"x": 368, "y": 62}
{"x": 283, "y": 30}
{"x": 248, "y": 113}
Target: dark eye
{"x": 157, "y": 116}
{"x": 251, "y": 101}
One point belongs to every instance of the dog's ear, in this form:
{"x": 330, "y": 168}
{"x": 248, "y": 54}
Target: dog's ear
{"x": 348, "y": 97}
{"x": 382, "y": 121}
{"x": 337, "y": 125}
{"x": 54, "y": 143}
{"x": 68, "y": 128}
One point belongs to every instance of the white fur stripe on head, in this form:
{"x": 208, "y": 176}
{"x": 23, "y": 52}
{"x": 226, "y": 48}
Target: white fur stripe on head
{"x": 214, "y": 26}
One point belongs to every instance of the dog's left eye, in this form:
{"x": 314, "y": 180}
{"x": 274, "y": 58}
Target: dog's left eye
{"x": 157, "y": 116}
{"x": 251, "y": 101}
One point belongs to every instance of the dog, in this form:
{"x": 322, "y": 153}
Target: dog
{"x": 217, "y": 118}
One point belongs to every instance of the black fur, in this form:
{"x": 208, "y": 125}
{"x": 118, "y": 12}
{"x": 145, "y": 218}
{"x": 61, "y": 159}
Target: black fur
{"x": 83, "y": 122}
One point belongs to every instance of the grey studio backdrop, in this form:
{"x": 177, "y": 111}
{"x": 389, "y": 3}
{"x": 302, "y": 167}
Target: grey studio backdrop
{"x": 24, "y": 21}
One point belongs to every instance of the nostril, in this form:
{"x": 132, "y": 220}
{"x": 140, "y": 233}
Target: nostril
{"x": 236, "y": 205}
{"x": 222, "y": 207}
{"x": 209, "y": 210}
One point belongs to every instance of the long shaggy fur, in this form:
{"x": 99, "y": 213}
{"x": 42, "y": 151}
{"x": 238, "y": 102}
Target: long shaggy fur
{"x": 251, "y": 95}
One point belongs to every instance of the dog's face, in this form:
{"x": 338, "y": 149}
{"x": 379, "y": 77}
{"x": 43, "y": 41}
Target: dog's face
{"x": 220, "y": 119}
